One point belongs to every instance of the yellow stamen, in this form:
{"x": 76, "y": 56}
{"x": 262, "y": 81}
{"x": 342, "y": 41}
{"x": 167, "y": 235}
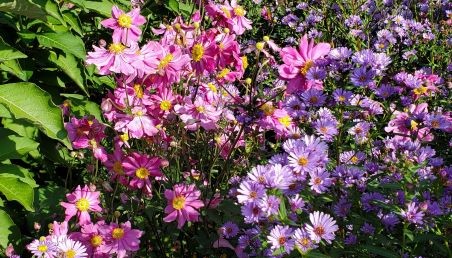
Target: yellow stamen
{"x": 165, "y": 61}
{"x": 165, "y": 105}
{"x": 125, "y": 21}
{"x": 307, "y": 65}
{"x": 285, "y": 120}
{"x": 178, "y": 202}
{"x": 197, "y": 52}
{"x": 142, "y": 173}
{"x": 70, "y": 253}
{"x": 117, "y": 233}
{"x": 82, "y": 204}
{"x": 239, "y": 11}
{"x": 116, "y": 48}
{"x": 96, "y": 240}
{"x": 138, "y": 91}
{"x": 302, "y": 161}
{"x": 268, "y": 109}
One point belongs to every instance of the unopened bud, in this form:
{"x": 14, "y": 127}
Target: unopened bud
{"x": 117, "y": 214}
{"x": 36, "y": 226}
{"x": 260, "y": 45}
{"x": 226, "y": 30}
{"x": 266, "y": 38}
{"x": 248, "y": 81}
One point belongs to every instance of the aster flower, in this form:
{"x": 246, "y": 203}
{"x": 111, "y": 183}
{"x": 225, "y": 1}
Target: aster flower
{"x": 301, "y": 160}
{"x": 297, "y": 64}
{"x": 320, "y": 180}
{"x": 327, "y": 128}
{"x": 281, "y": 237}
{"x": 43, "y": 248}
{"x": 69, "y": 248}
{"x": 269, "y": 204}
{"x": 125, "y": 25}
{"x": 229, "y": 229}
{"x": 303, "y": 241}
{"x": 81, "y": 201}
{"x": 120, "y": 239}
{"x": 251, "y": 212}
{"x": 362, "y": 77}
{"x": 183, "y": 204}
{"x": 250, "y": 192}
{"x": 141, "y": 167}
{"x": 412, "y": 215}
{"x": 323, "y": 227}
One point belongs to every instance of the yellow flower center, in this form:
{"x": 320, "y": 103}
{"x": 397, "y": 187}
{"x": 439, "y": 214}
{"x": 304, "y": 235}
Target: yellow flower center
{"x": 302, "y": 161}
{"x": 117, "y": 168}
{"x": 413, "y": 125}
{"x": 42, "y": 248}
{"x": 221, "y": 46}
{"x": 165, "y": 105}
{"x": 82, "y": 204}
{"x": 200, "y": 109}
{"x": 142, "y": 173}
{"x": 268, "y": 109}
{"x": 116, "y": 48}
{"x": 178, "y": 202}
{"x": 305, "y": 68}
{"x": 165, "y": 61}
{"x": 117, "y": 233}
{"x": 239, "y": 11}
{"x": 138, "y": 91}
{"x": 197, "y": 52}
{"x": 435, "y": 124}
{"x": 323, "y": 129}
{"x": 96, "y": 240}
{"x": 212, "y": 87}
{"x": 125, "y": 21}
{"x": 70, "y": 253}
{"x": 354, "y": 160}
{"x": 124, "y": 137}
{"x": 285, "y": 120}
{"x": 226, "y": 12}
{"x": 260, "y": 45}
{"x": 223, "y": 73}
{"x": 341, "y": 98}
{"x": 244, "y": 62}
{"x": 421, "y": 90}
{"x": 304, "y": 241}
{"x": 139, "y": 113}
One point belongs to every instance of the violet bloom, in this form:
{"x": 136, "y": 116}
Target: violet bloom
{"x": 320, "y": 180}
{"x": 251, "y": 212}
{"x": 281, "y": 236}
{"x": 412, "y": 215}
{"x": 250, "y": 191}
{"x": 303, "y": 241}
{"x": 43, "y": 248}
{"x": 125, "y": 25}
{"x": 183, "y": 204}
{"x": 81, "y": 201}
{"x": 327, "y": 128}
{"x": 120, "y": 239}
{"x": 141, "y": 167}
{"x": 229, "y": 229}
{"x": 323, "y": 227}
{"x": 269, "y": 205}
{"x": 298, "y": 62}
{"x": 362, "y": 77}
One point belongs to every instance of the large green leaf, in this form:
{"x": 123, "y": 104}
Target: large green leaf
{"x": 70, "y": 67}
{"x": 65, "y": 41}
{"x": 26, "y": 100}
{"x": 51, "y": 8}
{"x": 8, "y": 53}
{"x": 23, "y": 7}
{"x": 80, "y": 106}
{"x": 7, "y": 228}
{"x": 103, "y": 8}
{"x": 13, "y": 67}
{"x": 11, "y": 170}
{"x": 17, "y": 188}
{"x": 14, "y": 146}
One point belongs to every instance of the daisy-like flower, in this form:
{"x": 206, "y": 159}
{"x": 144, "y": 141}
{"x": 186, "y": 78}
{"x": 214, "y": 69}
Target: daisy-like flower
{"x": 43, "y": 247}
{"x": 69, "y": 248}
{"x": 183, "y": 204}
{"x": 323, "y": 227}
{"x": 301, "y": 160}
{"x": 120, "y": 239}
{"x": 141, "y": 167}
{"x": 81, "y": 201}
{"x": 303, "y": 241}
{"x": 117, "y": 58}
{"x": 203, "y": 53}
{"x": 198, "y": 113}
{"x": 250, "y": 191}
{"x": 412, "y": 214}
{"x": 320, "y": 180}
{"x": 125, "y": 25}
{"x": 281, "y": 236}
{"x": 229, "y": 229}
{"x": 298, "y": 62}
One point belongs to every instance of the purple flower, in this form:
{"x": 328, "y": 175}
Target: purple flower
{"x": 251, "y": 212}
{"x": 302, "y": 240}
{"x": 269, "y": 205}
{"x": 368, "y": 229}
{"x": 412, "y": 215}
{"x": 313, "y": 97}
{"x": 350, "y": 239}
{"x": 229, "y": 229}
{"x": 323, "y": 227}
{"x": 342, "y": 96}
{"x": 362, "y": 77}
{"x": 320, "y": 180}
{"x": 327, "y": 128}
{"x": 250, "y": 192}
{"x": 280, "y": 236}
{"x": 342, "y": 208}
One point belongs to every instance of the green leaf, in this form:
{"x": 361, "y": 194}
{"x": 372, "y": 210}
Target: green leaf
{"x": 4, "y": 112}
{"x": 70, "y": 18}
{"x": 70, "y": 67}
{"x": 17, "y": 189}
{"x": 10, "y": 170}
{"x": 7, "y": 228}
{"x": 80, "y": 106}
{"x": 51, "y": 8}
{"x": 65, "y": 41}
{"x": 8, "y": 53}
{"x": 103, "y": 8}
{"x": 23, "y": 7}
{"x": 173, "y": 5}
{"x": 21, "y": 127}
{"x": 26, "y": 100}
{"x": 14, "y": 146}
{"x": 13, "y": 67}
{"x": 314, "y": 254}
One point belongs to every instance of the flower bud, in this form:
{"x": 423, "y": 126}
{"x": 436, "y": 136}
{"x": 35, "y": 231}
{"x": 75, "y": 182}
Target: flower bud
{"x": 260, "y": 45}
{"x": 266, "y": 38}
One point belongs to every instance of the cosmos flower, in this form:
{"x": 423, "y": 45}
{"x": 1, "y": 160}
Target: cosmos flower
{"x": 183, "y": 204}
{"x": 81, "y": 202}
{"x": 141, "y": 167}
{"x": 120, "y": 238}
{"x": 125, "y": 25}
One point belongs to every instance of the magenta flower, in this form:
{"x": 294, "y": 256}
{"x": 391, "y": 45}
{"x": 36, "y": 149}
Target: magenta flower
{"x": 297, "y": 63}
{"x": 93, "y": 240}
{"x": 119, "y": 239}
{"x": 125, "y": 25}
{"x": 81, "y": 201}
{"x": 183, "y": 204}
{"x": 323, "y": 227}
{"x": 117, "y": 59}
{"x": 141, "y": 167}
{"x": 198, "y": 113}
{"x": 203, "y": 53}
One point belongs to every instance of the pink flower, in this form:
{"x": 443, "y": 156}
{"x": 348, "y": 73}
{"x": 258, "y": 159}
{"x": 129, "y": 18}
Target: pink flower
{"x": 141, "y": 124}
{"x": 239, "y": 22}
{"x": 203, "y": 53}
{"x": 90, "y": 236}
{"x": 81, "y": 201}
{"x": 125, "y": 25}
{"x": 141, "y": 167}
{"x": 405, "y": 125}
{"x": 119, "y": 239}
{"x": 117, "y": 59}
{"x": 199, "y": 113}
{"x": 297, "y": 63}
{"x": 183, "y": 202}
